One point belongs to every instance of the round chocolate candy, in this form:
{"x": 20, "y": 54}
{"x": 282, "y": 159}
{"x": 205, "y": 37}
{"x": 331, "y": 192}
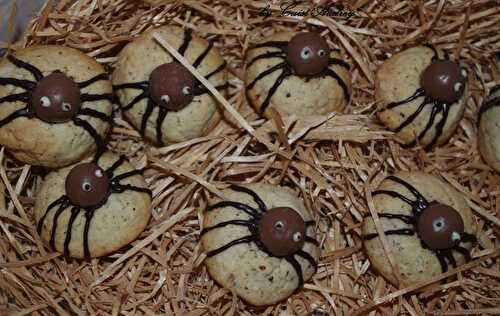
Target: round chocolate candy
{"x": 282, "y": 231}
{"x": 308, "y": 53}
{"x": 171, "y": 86}
{"x": 444, "y": 80}
{"x": 56, "y": 98}
{"x": 87, "y": 185}
{"x": 440, "y": 226}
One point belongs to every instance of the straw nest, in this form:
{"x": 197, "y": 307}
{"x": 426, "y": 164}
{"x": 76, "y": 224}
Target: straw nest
{"x": 332, "y": 162}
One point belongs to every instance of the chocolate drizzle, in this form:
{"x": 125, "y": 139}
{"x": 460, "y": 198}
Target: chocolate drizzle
{"x": 28, "y": 111}
{"x": 418, "y": 205}
{"x": 252, "y": 224}
{"x": 37, "y": 74}
{"x": 143, "y": 87}
{"x": 63, "y": 204}
{"x": 287, "y": 71}
{"x": 438, "y": 107}
{"x": 492, "y": 102}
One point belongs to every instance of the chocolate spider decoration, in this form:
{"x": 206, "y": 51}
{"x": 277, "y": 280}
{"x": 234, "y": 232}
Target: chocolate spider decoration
{"x": 279, "y": 232}
{"x": 307, "y": 54}
{"x": 439, "y": 226}
{"x": 171, "y": 87}
{"x": 55, "y": 99}
{"x": 88, "y": 188}
{"x": 442, "y": 84}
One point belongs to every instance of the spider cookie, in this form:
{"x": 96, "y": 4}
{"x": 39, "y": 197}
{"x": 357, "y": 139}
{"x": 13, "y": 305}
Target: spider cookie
{"x": 422, "y": 94}
{"x": 489, "y": 116}
{"x": 260, "y": 243}
{"x": 93, "y": 208}
{"x": 55, "y": 105}
{"x": 427, "y": 223}
{"x": 296, "y": 74}
{"x": 159, "y": 96}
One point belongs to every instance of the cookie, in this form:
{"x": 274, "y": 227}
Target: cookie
{"x": 296, "y": 74}
{"x": 159, "y": 96}
{"x": 489, "y": 129}
{"x": 93, "y": 208}
{"x": 422, "y": 96}
{"x": 427, "y": 223}
{"x": 55, "y": 105}
{"x": 260, "y": 243}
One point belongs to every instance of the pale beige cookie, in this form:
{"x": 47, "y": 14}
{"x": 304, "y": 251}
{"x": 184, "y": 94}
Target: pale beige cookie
{"x": 260, "y": 242}
{"x": 159, "y": 117}
{"x": 427, "y": 223}
{"x": 55, "y": 106}
{"x": 418, "y": 115}
{"x": 489, "y": 129}
{"x": 277, "y": 77}
{"x": 90, "y": 210}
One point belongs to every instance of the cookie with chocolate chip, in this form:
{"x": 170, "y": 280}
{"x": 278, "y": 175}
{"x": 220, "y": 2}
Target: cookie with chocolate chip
{"x": 260, "y": 242}
{"x": 421, "y": 95}
{"x": 296, "y": 73}
{"x": 427, "y": 223}
{"x": 93, "y": 208}
{"x": 55, "y": 105}
{"x": 159, "y": 96}
{"x": 489, "y": 129}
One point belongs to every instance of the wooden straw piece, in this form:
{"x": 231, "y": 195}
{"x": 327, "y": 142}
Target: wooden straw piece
{"x": 32, "y": 309}
{"x": 29, "y": 262}
{"x": 412, "y": 288}
{"x": 478, "y": 311}
{"x": 481, "y": 211}
{"x": 200, "y": 180}
{"x": 332, "y": 290}
{"x": 306, "y": 129}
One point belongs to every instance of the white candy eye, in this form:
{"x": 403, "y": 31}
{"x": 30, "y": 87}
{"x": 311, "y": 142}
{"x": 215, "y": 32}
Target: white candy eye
{"x": 463, "y": 72}
{"x": 86, "y": 186}
{"x": 457, "y": 86}
{"x": 305, "y": 53}
{"x": 438, "y": 224}
{"x": 297, "y": 237}
{"x": 279, "y": 225}
{"x": 165, "y": 98}
{"x": 186, "y": 90}
{"x": 66, "y": 107}
{"x": 45, "y": 101}
{"x": 321, "y": 53}
{"x": 98, "y": 173}
{"x": 455, "y": 236}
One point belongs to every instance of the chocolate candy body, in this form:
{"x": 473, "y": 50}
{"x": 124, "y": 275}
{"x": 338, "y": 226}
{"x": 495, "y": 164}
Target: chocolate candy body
{"x": 87, "y": 185}
{"x": 440, "y": 226}
{"x": 282, "y": 231}
{"x": 308, "y": 53}
{"x": 56, "y": 98}
{"x": 171, "y": 86}
{"x": 444, "y": 80}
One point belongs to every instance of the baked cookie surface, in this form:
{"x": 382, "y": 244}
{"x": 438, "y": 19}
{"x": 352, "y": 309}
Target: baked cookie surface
{"x": 55, "y": 105}
{"x": 422, "y": 95}
{"x": 489, "y": 129}
{"x": 296, "y": 74}
{"x": 260, "y": 243}
{"x": 92, "y": 209}
{"x": 427, "y": 223}
{"x": 159, "y": 96}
